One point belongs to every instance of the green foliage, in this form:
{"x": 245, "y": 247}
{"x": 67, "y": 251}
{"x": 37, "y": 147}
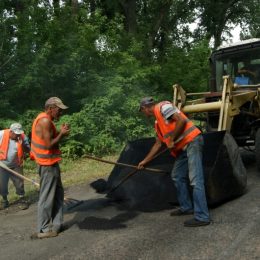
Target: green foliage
{"x": 217, "y": 18}
{"x": 108, "y": 121}
{"x": 27, "y": 119}
{"x": 189, "y": 69}
{"x": 5, "y": 123}
{"x": 102, "y": 59}
{"x": 73, "y": 149}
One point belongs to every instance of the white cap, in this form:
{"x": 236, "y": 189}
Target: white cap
{"x": 167, "y": 111}
{"x": 16, "y": 128}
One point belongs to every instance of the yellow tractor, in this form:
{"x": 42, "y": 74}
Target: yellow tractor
{"x": 233, "y": 102}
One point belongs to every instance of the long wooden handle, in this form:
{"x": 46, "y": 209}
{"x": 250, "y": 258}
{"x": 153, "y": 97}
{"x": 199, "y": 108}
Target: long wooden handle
{"x": 18, "y": 174}
{"x": 66, "y": 200}
{"x": 122, "y": 164}
{"x": 135, "y": 171}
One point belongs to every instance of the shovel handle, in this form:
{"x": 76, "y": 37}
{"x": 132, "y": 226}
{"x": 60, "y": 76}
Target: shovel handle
{"x": 135, "y": 171}
{"x": 122, "y": 164}
{"x": 2, "y": 165}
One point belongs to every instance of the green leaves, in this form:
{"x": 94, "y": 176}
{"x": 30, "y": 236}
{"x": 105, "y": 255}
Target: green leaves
{"x": 103, "y": 57}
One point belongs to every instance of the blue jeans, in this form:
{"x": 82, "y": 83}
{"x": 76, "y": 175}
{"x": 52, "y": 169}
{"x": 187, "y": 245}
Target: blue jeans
{"x": 188, "y": 170}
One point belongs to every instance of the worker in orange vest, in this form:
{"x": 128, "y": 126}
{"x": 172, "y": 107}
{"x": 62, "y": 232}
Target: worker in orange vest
{"x": 185, "y": 142}
{"x": 13, "y": 145}
{"x": 45, "y": 151}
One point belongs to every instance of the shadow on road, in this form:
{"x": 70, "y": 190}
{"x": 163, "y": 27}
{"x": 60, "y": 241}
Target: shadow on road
{"x": 95, "y": 223}
{"x": 86, "y": 207}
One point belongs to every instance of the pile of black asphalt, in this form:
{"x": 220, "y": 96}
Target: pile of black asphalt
{"x": 224, "y": 172}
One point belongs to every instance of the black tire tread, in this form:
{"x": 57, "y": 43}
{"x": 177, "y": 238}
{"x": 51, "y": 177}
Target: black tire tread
{"x": 257, "y": 148}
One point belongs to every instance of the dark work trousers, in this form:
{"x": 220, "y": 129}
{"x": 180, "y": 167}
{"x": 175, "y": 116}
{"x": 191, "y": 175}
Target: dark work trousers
{"x": 18, "y": 182}
{"x": 50, "y": 204}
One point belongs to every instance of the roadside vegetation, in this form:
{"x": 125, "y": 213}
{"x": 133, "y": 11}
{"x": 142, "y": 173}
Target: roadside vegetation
{"x": 101, "y": 58}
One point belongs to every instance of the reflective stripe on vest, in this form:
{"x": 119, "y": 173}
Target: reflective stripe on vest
{"x": 45, "y": 156}
{"x": 44, "y": 147}
{"x": 171, "y": 132}
{"x": 164, "y": 130}
{"x": 40, "y": 152}
{"x": 4, "y": 147}
{"x": 186, "y": 132}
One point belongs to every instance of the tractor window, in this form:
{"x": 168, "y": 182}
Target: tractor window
{"x": 224, "y": 67}
{"x": 240, "y": 65}
{"x": 243, "y": 64}
{"x": 250, "y": 69}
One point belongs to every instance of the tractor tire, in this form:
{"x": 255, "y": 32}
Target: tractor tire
{"x": 257, "y": 148}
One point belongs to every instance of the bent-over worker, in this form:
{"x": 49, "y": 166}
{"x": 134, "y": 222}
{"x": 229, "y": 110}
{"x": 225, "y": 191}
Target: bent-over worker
{"x": 185, "y": 142}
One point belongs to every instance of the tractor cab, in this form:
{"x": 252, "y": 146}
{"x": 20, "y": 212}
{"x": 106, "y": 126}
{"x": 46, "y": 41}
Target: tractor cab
{"x": 241, "y": 61}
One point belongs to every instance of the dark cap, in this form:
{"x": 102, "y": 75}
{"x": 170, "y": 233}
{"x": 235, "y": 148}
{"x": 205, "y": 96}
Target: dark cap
{"x": 55, "y": 101}
{"x": 146, "y": 101}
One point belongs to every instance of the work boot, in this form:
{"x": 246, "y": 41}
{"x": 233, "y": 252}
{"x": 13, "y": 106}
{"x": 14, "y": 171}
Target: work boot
{"x": 22, "y": 203}
{"x": 195, "y": 223}
{"x": 44, "y": 235}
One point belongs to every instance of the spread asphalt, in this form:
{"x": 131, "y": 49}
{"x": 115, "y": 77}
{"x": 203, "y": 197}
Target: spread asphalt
{"x": 98, "y": 229}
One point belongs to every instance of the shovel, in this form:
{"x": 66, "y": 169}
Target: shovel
{"x": 69, "y": 202}
{"x": 134, "y": 172}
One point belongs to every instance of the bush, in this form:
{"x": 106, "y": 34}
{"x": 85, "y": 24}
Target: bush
{"x": 105, "y": 124}
{"x": 72, "y": 149}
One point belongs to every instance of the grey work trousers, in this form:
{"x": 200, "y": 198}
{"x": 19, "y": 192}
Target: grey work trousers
{"x": 18, "y": 182}
{"x": 50, "y": 204}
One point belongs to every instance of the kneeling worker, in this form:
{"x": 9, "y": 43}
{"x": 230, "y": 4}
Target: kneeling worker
{"x": 185, "y": 142}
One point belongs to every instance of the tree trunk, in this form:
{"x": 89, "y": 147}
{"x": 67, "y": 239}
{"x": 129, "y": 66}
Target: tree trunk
{"x": 74, "y": 7}
{"x": 56, "y": 7}
{"x": 157, "y": 24}
{"x": 92, "y": 6}
{"x": 129, "y": 7}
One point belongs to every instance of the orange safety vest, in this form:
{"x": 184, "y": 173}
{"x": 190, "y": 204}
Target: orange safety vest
{"x": 5, "y": 144}
{"x": 42, "y": 154}
{"x": 164, "y": 130}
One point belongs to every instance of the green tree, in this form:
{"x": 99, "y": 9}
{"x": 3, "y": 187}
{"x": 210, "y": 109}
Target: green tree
{"x": 216, "y": 18}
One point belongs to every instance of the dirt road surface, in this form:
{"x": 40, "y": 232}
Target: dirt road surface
{"x": 98, "y": 229}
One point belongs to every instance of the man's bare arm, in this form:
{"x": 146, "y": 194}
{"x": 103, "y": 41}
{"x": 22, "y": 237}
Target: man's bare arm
{"x": 44, "y": 131}
{"x": 180, "y": 125}
{"x": 156, "y": 147}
